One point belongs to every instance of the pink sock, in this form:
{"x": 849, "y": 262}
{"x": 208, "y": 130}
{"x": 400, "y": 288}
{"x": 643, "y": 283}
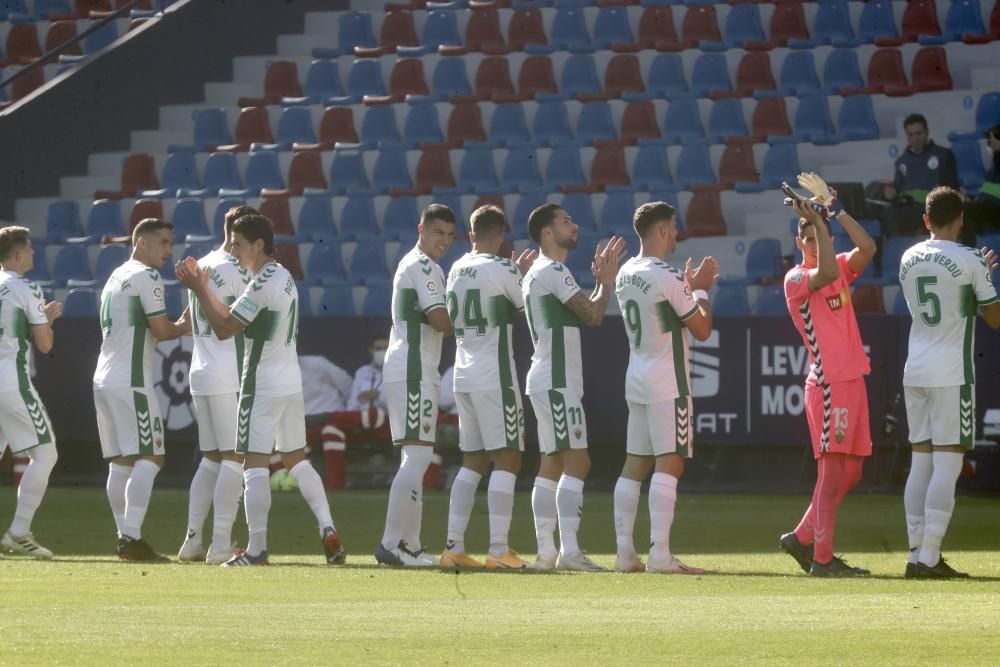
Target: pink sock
{"x": 852, "y": 475}
{"x": 804, "y": 531}
{"x": 826, "y": 503}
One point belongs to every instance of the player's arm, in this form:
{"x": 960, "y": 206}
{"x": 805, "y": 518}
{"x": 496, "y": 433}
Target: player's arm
{"x": 163, "y": 328}
{"x": 439, "y": 320}
{"x": 699, "y": 320}
{"x": 990, "y": 308}
{"x": 827, "y": 270}
{"x": 590, "y": 310}
{"x": 224, "y": 324}
{"x": 864, "y": 244}
{"x": 42, "y": 333}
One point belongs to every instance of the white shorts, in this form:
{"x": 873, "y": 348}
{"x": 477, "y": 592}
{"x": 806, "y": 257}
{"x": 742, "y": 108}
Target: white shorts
{"x": 561, "y": 422}
{"x": 128, "y": 422}
{"x": 24, "y": 423}
{"x": 490, "y": 420}
{"x": 216, "y": 421}
{"x": 942, "y": 415}
{"x": 413, "y": 410}
{"x": 660, "y": 428}
{"x": 271, "y": 423}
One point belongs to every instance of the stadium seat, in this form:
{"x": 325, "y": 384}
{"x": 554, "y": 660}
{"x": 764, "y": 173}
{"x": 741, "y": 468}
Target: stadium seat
{"x": 700, "y": 24}
{"x": 608, "y": 168}
{"x": 109, "y": 258}
{"x": 964, "y": 22}
{"x": 798, "y": 74}
{"x": 482, "y": 33}
{"x": 354, "y": 29}
{"x": 656, "y": 29}
{"x": 526, "y": 29}
{"x": 666, "y": 76}
{"x": 899, "y": 306}
{"x": 520, "y": 170}
{"x": 15, "y": 7}
{"x": 493, "y": 80}
{"x": 252, "y": 126}
{"x": 885, "y": 73}
{"x": 335, "y": 126}
{"x": 59, "y": 33}
{"x": 695, "y": 166}
{"x": 622, "y": 76}
{"x": 281, "y": 80}
{"x": 142, "y": 209}
{"x": 325, "y": 264}
{"x": 551, "y": 124}
{"x": 812, "y": 120}
{"x": 189, "y": 219}
{"x": 595, "y": 123}
{"x": 21, "y": 46}
{"x": 841, "y": 71}
{"x": 179, "y": 173}
{"x": 508, "y": 126}
{"x": 364, "y": 78}
{"x": 737, "y": 166}
{"x": 367, "y": 262}
{"x": 611, "y": 26}
{"x": 639, "y": 122}
{"x": 788, "y": 26}
{"x": 730, "y": 299}
{"x": 287, "y": 255}
{"x": 832, "y": 24}
{"x": 893, "y": 253}
{"x": 221, "y": 173}
{"x": 753, "y": 74}
{"x": 211, "y": 129}
{"x": 407, "y": 78}
{"x": 347, "y": 172}
{"x": 929, "y": 71}
{"x": 725, "y": 119}
{"x": 764, "y": 260}
{"x": 536, "y": 77}
{"x": 569, "y": 30}
{"x": 391, "y": 170}
{"x": 397, "y": 30}
{"x": 770, "y": 119}
{"x": 306, "y": 171}
{"x": 919, "y": 20}
{"x": 579, "y": 76}
{"x": 704, "y": 215}
{"x": 771, "y": 301}
{"x": 71, "y": 263}
{"x": 63, "y": 222}
{"x": 465, "y": 125}
{"x": 379, "y": 127}
{"x": 263, "y": 172}
{"x": 743, "y": 25}
{"x": 987, "y": 115}
{"x": 440, "y": 29}
{"x": 276, "y": 209}
{"x": 454, "y": 253}
{"x": 138, "y": 174}
{"x": 450, "y": 78}
{"x": 105, "y": 219}
{"x": 877, "y": 20}
{"x": 526, "y": 203}
{"x": 357, "y": 219}
{"x": 219, "y": 216}
{"x": 377, "y": 301}
{"x": 422, "y": 126}
{"x": 710, "y": 74}
{"x": 616, "y": 214}
{"x": 781, "y": 163}
{"x": 867, "y": 298}
{"x": 564, "y": 168}
{"x": 650, "y": 170}
{"x": 969, "y": 160}
{"x": 477, "y": 171}
{"x": 400, "y": 219}
{"x": 336, "y": 301}
{"x": 434, "y": 170}
{"x": 322, "y": 81}
{"x": 315, "y": 220}
{"x": 856, "y": 120}
{"x": 581, "y": 210}
{"x": 80, "y": 302}
{"x": 682, "y": 121}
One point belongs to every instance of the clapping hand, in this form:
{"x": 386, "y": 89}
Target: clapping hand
{"x": 704, "y": 276}
{"x": 607, "y": 260}
{"x": 524, "y": 260}
{"x": 190, "y": 274}
{"x": 52, "y": 310}
{"x": 990, "y": 257}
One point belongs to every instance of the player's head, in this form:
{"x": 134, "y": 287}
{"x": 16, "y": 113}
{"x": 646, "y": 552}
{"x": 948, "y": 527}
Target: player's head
{"x": 943, "y": 210}
{"x": 806, "y": 240}
{"x": 437, "y": 230}
{"x": 549, "y": 225}
{"x": 16, "y": 252}
{"x": 232, "y": 215}
{"x": 915, "y": 126}
{"x": 252, "y": 241}
{"x": 486, "y": 226}
{"x": 153, "y": 242}
{"x": 656, "y": 224}
{"x": 377, "y": 347}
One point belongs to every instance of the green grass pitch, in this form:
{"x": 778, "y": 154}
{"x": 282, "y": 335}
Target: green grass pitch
{"x": 754, "y": 607}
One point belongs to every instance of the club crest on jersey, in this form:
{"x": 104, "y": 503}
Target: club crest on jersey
{"x": 427, "y": 428}
{"x": 933, "y": 163}
{"x": 158, "y": 293}
{"x": 578, "y": 434}
{"x": 797, "y": 276}
{"x": 432, "y": 287}
{"x": 569, "y": 281}
{"x": 839, "y": 435}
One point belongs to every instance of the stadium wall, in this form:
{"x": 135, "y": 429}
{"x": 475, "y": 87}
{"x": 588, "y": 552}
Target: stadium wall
{"x": 166, "y": 61}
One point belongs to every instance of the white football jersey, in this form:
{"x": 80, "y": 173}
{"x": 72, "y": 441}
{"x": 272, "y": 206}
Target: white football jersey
{"x": 655, "y": 299}
{"x": 21, "y": 307}
{"x": 484, "y": 292}
{"x": 269, "y": 306}
{"x": 557, "y": 362}
{"x": 414, "y": 352}
{"x": 944, "y": 284}
{"x": 216, "y": 365}
{"x": 132, "y": 295}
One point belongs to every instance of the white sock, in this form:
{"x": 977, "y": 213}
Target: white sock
{"x": 311, "y": 488}
{"x": 226, "y": 503}
{"x": 402, "y": 518}
{"x": 257, "y": 505}
{"x": 500, "y": 498}
{"x": 662, "y": 499}
{"x": 463, "y": 497}
{"x": 137, "y": 494}
{"x": 34, "y": 481}
{"x": 200, "y": 497}
{"x": 117, "y": 479}
{"x": 569, "y": 505}
{"x": 914, "y": 499}
{"x": 543, "y": 506}
{"x": 627, "y": 492}
{"x": 940, "y": 504}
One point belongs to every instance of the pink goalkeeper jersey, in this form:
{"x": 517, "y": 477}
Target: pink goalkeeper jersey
{"x": 826, "y": 321}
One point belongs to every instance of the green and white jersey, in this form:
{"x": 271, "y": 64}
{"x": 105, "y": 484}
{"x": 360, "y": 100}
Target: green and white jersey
{"x": 269, "y": 306}
{"x": 484, "y": 292}
{"x": 132, "y": 295}
{"x": 655, "y": 299}
{"x": 216, "y": 365}
{"x": 944, "y": 284}
{"x": 414, "y": 352}
{"x": 557, "y": 362}
{"x": 21, "y": 307}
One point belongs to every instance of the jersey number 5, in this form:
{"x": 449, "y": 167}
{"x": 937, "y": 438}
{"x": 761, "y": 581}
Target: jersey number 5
{"x": 925, "y": 296}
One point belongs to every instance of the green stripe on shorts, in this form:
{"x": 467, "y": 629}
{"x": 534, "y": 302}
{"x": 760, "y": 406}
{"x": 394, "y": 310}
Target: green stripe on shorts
{"x": 560, "y": 427}
{"x": 967, "y": 416}
{"x": 142, "y": 423}
{"x": 38, "y": 417}
{"x": 511, "y": 418}
{"x": 243, "y": 424}
{"x": 682, "y": 424}
{"x": 412, "y": 426}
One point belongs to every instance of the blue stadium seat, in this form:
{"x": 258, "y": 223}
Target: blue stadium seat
{"x": 391, "y": 170}
{"x": 100, "y": 38}
{"x": 221, "y": 173}
{"x": 71, "y": 264}
{"x": 781, "y": 163}
{"x": 856, "y": 120}
{"x": 695, "y": 166}
{"x": 450, "y": 78}
{"x": 347, "y": 172}
{"x": 595, "y": 123}
{"x": 764, "y": 260}
{"x": 569, "y": 30}
{"x": 841, "y": 71}
{"x": 526, "y": 203}
{"x": 379, "y": 126}
{"x": 440, "y": 29}
{"x": 551, "y": 125}
{"x": 353, "y": 29}
{"x": 969, "y": 159}
{"x": 520, "y": 170}
{"x": 198, "y": 250}
{"x": 579, "y": 75}
{"x": 105, "y": 219}
{"x": 80, "y": 302}
{"x": 833, "y": 24}
{"x": 710, "y": 73}
{"x": 325, "y": 264}
{"x": 219, "y": 217}
{"x": 987, "y": 115}
{"x": 294, "y": 126}
{"x": 263, "y": 171}
{"x": 189, "y": 218}
{"x": 564, "y": 168}
{"x": 650, "y": 170}
{"x": 357, "y": 220}
{"x": 963, "y": 18}
{"x": 336, "y": 301}
{"x": 40, "y": 270}
{"x": 179, "y": 173}
{"x": 400, "y": 219}
{"x": 14, "y": 9}
{"x": 798, "y": 74}
{"x": 730, "y": 299}
{"x": 305, "y": 299}
{"x": 877, "y": 20}
{"x": 364, "y": 78}
{"x": 682, "y": 121}
{"x": 666, "y": 76}
{"x": 611, "y": 26}
{"x": 45, "y": 8}
{"x": 616, "y": 214}
{"x": 772, "y": 301}
{"x": 812, "y": 120}
{"x": 458, "y": 248}
{"x": 211, "y": 129}
{"x": 899, "y": 306}
{"x": 367, "y": 262}
{"x": 477, "y": 172}
{"x": 725, "y": 119}
{"x": 422, "y": 126}
{"x": 743, "y": 25}
{"x": 377, "y": 301}
{"x": 63, "y": 221}
{"x": 581, "y": 210}
{"x": 578, "y": 262}
{"x": 173, "y": 297}
{"x": 508, "y": 126}
{"x": 109, "y": 258}
{"x": 316, "y": 219}
{"x": 893, "y": 253}
{"x": 322, "y": 81}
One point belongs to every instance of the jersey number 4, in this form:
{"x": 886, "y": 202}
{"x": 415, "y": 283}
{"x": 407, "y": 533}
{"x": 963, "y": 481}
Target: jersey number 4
{"x": 472, "y": 313}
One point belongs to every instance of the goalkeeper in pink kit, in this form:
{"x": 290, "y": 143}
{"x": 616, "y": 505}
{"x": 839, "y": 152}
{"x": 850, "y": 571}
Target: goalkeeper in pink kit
{"x": 818, "y": 295}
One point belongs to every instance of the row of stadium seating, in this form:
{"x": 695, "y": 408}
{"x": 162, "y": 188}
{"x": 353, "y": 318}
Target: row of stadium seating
{"x": 17, "y": 11}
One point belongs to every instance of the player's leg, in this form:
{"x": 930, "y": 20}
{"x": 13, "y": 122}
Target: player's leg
{"x": 118, "y": 469}
{"x": 543, "y": 494}
{"x": 139, "y": 424}
{"x": 256, "y": 426}
{"x": 507, "y": 427}
{"x": 570, "y": 431}
{"x": 228, "y": 488}
{"x": 202, "y": 484}
{"x": 628, "y": 488}
{"x": 798, "y": 543}
{"x": 475, "y": 462}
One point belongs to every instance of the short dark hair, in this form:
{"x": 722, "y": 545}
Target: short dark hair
{"x": 943, "y": 206}
{"x": 376, "y": 338}
{"x": 437, "y": 212}
{"x": 488, "y": 221}
{"x": 149, "y": 226}
{"x": 235, "y": 213}
{"x": 914, "y": 118}
{"x": 649, "y": 214}
{"x": 12, "y": 239}
{"x": 541, "y": 218}
{"x": 805, "y": 224}
{"x": 256, "y": 228}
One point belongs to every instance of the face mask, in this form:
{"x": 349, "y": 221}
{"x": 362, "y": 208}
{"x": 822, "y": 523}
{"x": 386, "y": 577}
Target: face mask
{"x": 378, "y": 356}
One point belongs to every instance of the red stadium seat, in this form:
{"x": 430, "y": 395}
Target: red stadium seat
{"x": 288, "y": 257}
{"x": 639, "y": 122}
{"x": 82, "y": 9}
{"x": 407, "y": 78}
{"x": 769, "y": 118}
{"x": 336, "y": 125}
{"x": 61, "y": 32}
{"x": 465, "y": 124}
{"x": 868, "y": 299}
{"x": 536, "y": 76}
{"x": 252, "y": 126}
{"x": 397, "y": 30}
{"x": 930, "y": 70}
{"x": 281, "y": 80}
{"x": 306, "y": 171}
{"x": 787, "y": 22}
{"x": 885, "y": 72}
{"x": 737, "y": 166}
{"x": 493, "y": 80}
{"x": 142, "y": 209}
{"x": 700, "y": 23}
{"x": 752, "y": 74}
{"x": 22, "y": 45}
{"x": 482, "y": 33}
{"x": 275, "y": 208}
{"x": 434, "y": 170}
{"x": 919, "y": 18}
{"x": 138, "y": 174}
{"x": 608, "y": 168}
{"x": 27, "y": 84}
{"x": 704, "y": 215}
{"x": 526, "y": 27}
{"x": 622, "y": 75}
{"x": 656, "y": 30}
